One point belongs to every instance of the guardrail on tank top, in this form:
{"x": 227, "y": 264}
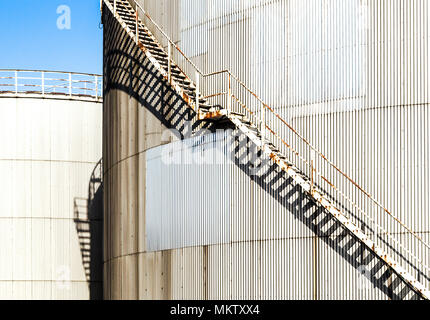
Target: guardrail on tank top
{"x": 43, "y": 82}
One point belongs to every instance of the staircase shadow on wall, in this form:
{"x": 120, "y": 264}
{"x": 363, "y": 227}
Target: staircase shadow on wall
{"x": 128, "y": 70}
{"x": 88, "y": 215}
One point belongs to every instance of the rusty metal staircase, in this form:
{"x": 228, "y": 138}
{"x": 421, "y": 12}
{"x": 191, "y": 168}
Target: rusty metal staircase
{"x": 256, "y": 123}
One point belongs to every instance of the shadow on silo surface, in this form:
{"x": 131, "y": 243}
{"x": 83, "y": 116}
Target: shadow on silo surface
{"x": 127, "y": 69}
{"x": 280, "y": 186}
{"x": 88, "y": 218}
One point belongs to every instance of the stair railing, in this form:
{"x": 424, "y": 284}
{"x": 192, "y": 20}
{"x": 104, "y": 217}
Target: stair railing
{"x": 45, "y": 82}
{"x": 393, "y": 237}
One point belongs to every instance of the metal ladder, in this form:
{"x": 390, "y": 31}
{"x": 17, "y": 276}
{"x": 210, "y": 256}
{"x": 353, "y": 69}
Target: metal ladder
{"x": 131, "y": 20}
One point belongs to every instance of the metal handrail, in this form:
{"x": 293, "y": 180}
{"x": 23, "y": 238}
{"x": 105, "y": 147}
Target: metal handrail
{"x": 51, "y": 82}
{"x": 52, "y": 71}
{"x": 380, "y": 228}
{"x": 276, "y": 114}
{"x": 264, "y": 126}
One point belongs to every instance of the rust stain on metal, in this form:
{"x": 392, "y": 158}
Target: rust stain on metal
{"x": 274, "y": 158}
{"x": 141, "y": 46}
{"x": 212, "y": 115}
{"x": 326, "y": 180}
{"x": 214, "y": 95}
{"x": 185, "y": 97}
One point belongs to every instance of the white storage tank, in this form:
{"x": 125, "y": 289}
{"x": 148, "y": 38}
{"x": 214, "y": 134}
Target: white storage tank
{"x": 351, "y": 76}
{"x": 50, "y": 131}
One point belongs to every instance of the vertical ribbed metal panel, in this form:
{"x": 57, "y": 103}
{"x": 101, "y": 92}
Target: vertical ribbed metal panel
{"x": 188, "y": 193}
{"x": 352, "y": 76}
{"x": 262, "y": 251}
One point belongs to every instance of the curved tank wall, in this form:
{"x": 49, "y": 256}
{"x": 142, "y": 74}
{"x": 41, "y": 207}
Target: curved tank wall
{"x": 363, "y": 90}
{"x": 349, "y": 75}
{"x": 49, "y": 147}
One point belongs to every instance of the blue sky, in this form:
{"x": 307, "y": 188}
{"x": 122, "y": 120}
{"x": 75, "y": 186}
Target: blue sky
{"x": 30, "y": 38}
